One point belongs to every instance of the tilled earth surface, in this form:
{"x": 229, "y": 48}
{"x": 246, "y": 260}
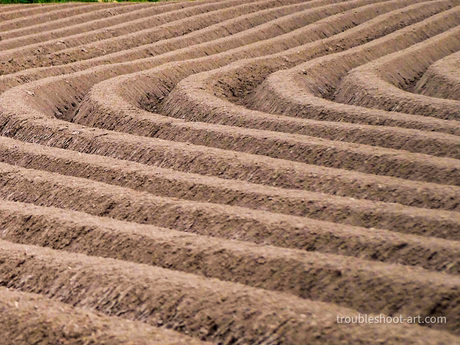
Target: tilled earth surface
{"x": 230, "y": 172}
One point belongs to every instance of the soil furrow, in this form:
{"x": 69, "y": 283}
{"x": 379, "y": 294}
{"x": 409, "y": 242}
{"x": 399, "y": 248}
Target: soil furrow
{"x": 70, "y": 10}
{"x": 223, "y": 164}
{"x": 308, "y": 12}
{"x": 299, "y": 148}
{"x": 123, "y": 21}
{"x": 11, "y": 12}
{"x": 198, "y": 136}
{"x": 378, "y": 84}
{"x": 206, "y": 308}
{"x": 188, "y": 166}
{"x": 229, "y": 222}
{"x": 172, "y": 23}
{"x": 316, "y": 79}
{"x": 212, "y": 33}
{"x": 356, "y": 283}
{"x": 197, "y": 98}
{"x": 165, "y": 182}
{"x": 27, "y": 318}
{"x": 442, "y": 79}
{"x": 12, "y": 38}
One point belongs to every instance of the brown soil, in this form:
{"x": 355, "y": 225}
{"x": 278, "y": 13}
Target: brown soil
{"x": 27, "y": 318}
{"x": 441, "y": 79}
{"x": 240, "y": 172}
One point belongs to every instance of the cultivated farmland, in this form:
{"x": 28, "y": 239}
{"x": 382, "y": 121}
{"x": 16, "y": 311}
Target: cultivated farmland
{"x": 229, "y": 172}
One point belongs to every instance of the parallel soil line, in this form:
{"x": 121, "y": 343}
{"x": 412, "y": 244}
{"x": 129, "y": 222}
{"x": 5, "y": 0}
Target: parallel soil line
{"x": 354, "y": 283}
{"x": 32, "y": 319}
{"x": 206, "y": 308}
{"x": 230, "y": 222}
{"x": 165, "y": 182}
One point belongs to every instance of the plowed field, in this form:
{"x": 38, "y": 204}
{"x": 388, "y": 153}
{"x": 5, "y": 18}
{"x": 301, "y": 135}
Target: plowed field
{"x": 230, "y": 172}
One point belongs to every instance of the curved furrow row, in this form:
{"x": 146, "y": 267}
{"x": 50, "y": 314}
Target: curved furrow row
{"x": 214, "y": 162}
{"x": 429, "y": 125}
{"x": 442, "y": 79}
{"x": 379, "y": 82}
{"x": 306, "y": 13}
{"x": 443, "y": 194}
{"x": 213, "y": 32}
{"x": 206, "y": 97}
{"x": 183, "y": 54}
{"x": 106, "y": 96}
{"x": 292, "y": 147}
{"x": 188, "y": 166}
{"x": 453, "y": 177}
{"x": 316, "y": 80}
{"x": 247, "y": 28}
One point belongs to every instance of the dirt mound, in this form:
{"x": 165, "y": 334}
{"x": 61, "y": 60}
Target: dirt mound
{"x": 241, "y": 172}
{"x": 31, "y": 319}
{"x": 442, "y": 79}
